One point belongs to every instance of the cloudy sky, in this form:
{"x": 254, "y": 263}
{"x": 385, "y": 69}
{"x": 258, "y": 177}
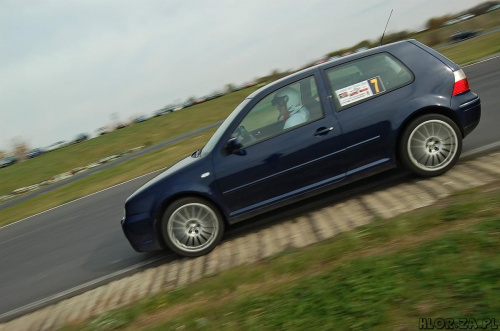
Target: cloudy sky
{"x": 67, "y": 65}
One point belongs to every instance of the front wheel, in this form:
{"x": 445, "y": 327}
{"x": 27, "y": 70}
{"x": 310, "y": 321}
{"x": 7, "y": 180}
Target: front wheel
{"x": 192, "y": 226}
{"x": 430, "y": 145}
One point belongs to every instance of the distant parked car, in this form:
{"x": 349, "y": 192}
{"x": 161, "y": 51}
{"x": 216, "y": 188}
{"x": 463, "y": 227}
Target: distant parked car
{"x": 140, "y": 119}
{"x": 495, "y": 7}
{"x": 158, "y": 112}
{"x": 120, "y": 125}
{"x": 401, "y": 104}
{"x": 34, "y": 153}
{"x": 249, "y": 84}
{"x": 215, "y": 95}
{"x": 462, "y": 35}
{"x": 237, "y": 88}
{"x": 7, "y": 161}
{"x": 361, "y": 49}
{"x": 81, "y": 137}
{"x": 200, "y": 100}
{"x": 164, "y": 111}
{"x": 57, "y": 145}
{"x": 459, "y": 19}
{"x": 101, "y": 131}
{"x": 187, "y": 103}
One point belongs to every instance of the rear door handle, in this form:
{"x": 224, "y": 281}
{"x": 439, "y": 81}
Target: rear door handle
{"x": 323, "y": 131}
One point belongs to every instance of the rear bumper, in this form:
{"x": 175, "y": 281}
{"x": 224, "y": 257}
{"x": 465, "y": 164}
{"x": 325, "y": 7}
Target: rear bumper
{"x": 468, "y": 109}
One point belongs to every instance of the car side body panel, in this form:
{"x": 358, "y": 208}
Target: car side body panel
{"x": 344, "y": 145}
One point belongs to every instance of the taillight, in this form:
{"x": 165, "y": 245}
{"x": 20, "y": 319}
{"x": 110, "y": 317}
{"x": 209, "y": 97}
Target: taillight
{"x": 461, "y": 82}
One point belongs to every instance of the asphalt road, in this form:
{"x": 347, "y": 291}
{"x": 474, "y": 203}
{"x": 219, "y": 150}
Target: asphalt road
{"x": 78, "y": 245}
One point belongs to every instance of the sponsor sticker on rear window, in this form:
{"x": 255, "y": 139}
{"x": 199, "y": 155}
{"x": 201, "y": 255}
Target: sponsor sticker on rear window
{"x": 360, "y": 91}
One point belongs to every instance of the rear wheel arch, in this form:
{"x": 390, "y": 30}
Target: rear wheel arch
{"x": 425, "y": 111}
{"x": 430, "y": 145}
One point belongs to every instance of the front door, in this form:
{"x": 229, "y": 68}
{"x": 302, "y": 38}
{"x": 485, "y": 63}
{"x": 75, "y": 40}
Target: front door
{"x": 290, "y": 145}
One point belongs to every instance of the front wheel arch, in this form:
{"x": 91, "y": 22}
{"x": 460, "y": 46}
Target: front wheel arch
{"x": 162, "y": 206}
{"x": 206, "y": 218}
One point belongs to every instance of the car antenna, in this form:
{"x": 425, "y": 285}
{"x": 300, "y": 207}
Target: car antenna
{"x": 385, "y": 28}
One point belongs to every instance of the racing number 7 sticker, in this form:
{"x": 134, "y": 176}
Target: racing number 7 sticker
{"x": 359, "y": 91}
{"x": 376, "y": 85}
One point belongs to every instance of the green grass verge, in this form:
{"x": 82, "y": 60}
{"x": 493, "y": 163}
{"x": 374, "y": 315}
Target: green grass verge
{"x": 476, "y": 48}
{"x": 442, "y": 262}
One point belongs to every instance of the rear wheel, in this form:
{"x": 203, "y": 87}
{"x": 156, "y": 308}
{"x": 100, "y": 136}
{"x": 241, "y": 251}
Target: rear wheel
{"x": 430, "y": 145}
{"x": 192, "y": 226}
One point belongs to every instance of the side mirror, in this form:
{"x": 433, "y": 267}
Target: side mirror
{"x": 233, "y": 145}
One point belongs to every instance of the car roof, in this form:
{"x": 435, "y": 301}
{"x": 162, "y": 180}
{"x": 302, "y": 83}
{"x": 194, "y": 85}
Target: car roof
{"x": 339, "y": 60}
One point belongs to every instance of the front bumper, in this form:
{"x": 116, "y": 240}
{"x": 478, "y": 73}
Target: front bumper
{"x": 140, "y": 231}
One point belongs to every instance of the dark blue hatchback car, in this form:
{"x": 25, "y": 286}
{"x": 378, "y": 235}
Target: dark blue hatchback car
{"x": 401, "y": 104}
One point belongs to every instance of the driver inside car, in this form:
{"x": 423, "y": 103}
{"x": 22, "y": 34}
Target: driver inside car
{"x": 292, "y": 112}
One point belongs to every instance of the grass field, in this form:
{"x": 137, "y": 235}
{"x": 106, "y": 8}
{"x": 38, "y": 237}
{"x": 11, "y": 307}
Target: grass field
{"x": 439, "y": 262}
{"x": 151, "y": 132}
{"x": 476, "y": 48}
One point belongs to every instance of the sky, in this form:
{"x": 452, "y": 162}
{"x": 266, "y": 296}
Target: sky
{"x": 67, "y": 65}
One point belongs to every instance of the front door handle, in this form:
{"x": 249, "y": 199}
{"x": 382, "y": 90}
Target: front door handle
{"x": 323, "y": 131}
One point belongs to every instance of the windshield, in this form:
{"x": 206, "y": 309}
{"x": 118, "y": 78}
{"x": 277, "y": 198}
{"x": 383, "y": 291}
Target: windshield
{"x": 222, "y": 128}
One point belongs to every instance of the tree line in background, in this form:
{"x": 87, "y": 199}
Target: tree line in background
{"x": 432, "y": 24}
{"x": 20, "y": 147}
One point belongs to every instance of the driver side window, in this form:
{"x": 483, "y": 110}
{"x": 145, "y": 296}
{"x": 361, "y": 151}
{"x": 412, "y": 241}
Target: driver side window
{"x": 285, "y": 109}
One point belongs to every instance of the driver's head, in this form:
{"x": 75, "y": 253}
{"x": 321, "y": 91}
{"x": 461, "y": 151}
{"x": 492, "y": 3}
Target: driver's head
{"x": 287, "y": 99}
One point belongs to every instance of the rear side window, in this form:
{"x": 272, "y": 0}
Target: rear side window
{"x": 366, "y": 78}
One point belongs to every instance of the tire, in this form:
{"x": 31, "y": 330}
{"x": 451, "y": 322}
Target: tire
{"x": 430, "y": 145}
{"x": 192, "y": 226}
